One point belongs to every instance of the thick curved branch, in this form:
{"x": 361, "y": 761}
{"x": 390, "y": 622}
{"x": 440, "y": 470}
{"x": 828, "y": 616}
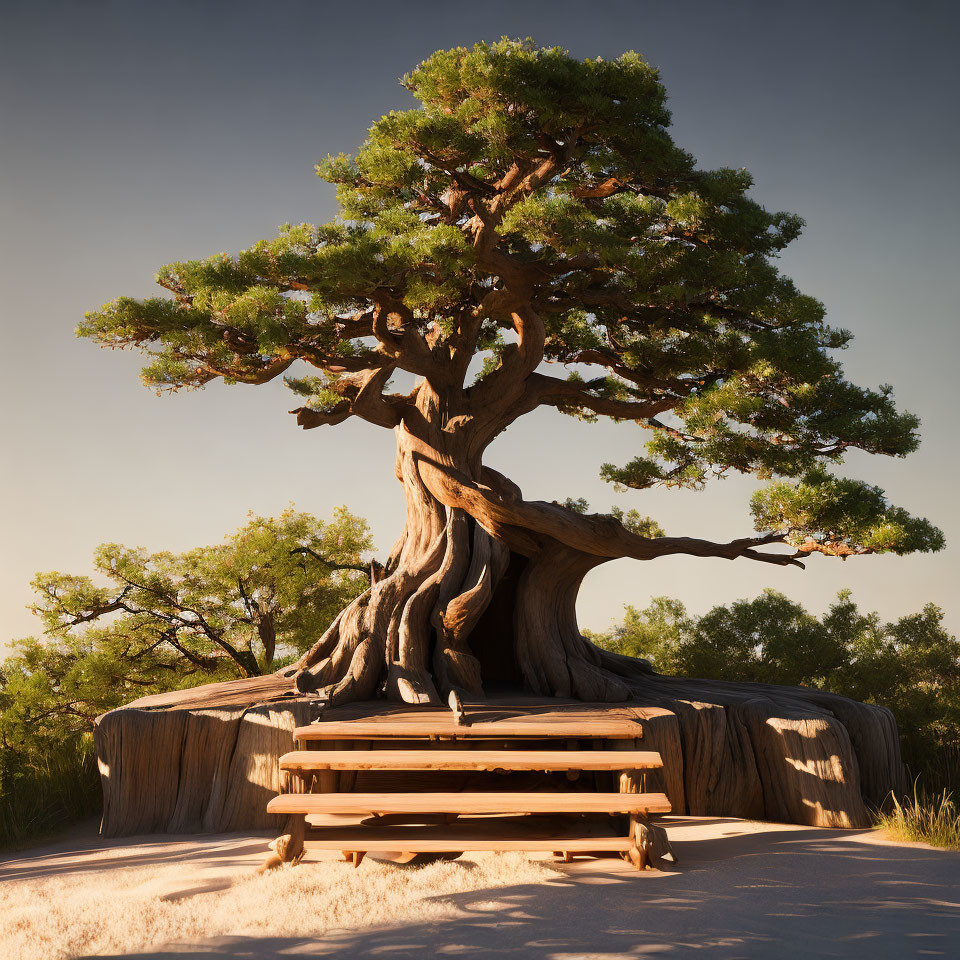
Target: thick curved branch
{"x": 504, "y": 389}
{"x": 368, "y": 401}
{"x": 339, "y": 363}
{"x": 602, "y": 536}
{"x": 309, "y": 418}
{"x": 406, "y": 346}
{"x": 362, "y": 397}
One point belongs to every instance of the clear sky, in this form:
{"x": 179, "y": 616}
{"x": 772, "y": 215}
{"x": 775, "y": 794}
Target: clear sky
{"x": 136, "y": 133}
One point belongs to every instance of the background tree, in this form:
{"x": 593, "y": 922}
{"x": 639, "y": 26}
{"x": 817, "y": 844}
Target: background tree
{"x": 911, "y": 665}
{"x": 235, "y": 609}
{"x": 153, "y": 622}
{"x": 534, "y": 211}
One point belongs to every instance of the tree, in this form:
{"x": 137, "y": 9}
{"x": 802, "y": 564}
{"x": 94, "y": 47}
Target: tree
{"x": 240, "y": 608}
{"x": 912, "y": 664}
{"x": 533, "y": 213}
{"x": 162, "y": 622}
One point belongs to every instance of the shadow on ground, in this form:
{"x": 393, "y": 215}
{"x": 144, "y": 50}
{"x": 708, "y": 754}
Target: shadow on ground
{"x": 781, "y": 893}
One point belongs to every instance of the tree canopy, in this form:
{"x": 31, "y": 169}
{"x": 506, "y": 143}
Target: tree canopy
{"x": 148, "y": 623}
{"x": 234, "y": 609}
{"x": 911, "y": 665}
{"x": 532, "y": 213}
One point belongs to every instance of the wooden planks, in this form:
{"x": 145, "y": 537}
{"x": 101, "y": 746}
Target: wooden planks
{"x": 469, "y": 803}
{"x": 445, "y": 730}
{"x": 438, "y": 759}
{"x": 423, "y": 743}
{"x": 530, "y": 718}
{"x": 443, "y": 726}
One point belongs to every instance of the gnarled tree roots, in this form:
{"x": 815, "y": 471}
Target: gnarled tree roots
{"x": 479, "y": 597}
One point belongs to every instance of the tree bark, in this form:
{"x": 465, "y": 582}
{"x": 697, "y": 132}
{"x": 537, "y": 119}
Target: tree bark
{"x": 479, "y": 596}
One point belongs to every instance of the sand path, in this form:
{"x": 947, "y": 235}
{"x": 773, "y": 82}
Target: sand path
{"x": 741, "y": 890}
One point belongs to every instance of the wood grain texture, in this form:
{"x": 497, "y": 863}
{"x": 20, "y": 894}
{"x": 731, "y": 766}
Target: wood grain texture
{"x": 183, "y": 771}
{"x": 531, "y": 718}
{"x": 748, "y": 750}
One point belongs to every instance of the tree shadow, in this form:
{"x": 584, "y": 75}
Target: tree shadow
{"x": 225, "y": 850}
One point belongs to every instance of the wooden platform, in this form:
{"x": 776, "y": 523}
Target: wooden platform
{"x": 478, "y": 760}
{"x": 533, "y": 718}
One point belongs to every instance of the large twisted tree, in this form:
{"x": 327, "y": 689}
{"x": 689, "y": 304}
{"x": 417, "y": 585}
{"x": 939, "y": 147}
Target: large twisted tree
{"x": 531, "y": 236}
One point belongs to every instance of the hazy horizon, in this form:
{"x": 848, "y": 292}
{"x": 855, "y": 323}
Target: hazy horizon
{"x": 135, "y": 134}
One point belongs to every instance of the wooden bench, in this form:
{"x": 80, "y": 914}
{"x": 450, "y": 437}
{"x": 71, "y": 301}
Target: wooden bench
{"x": 486, "y": 820}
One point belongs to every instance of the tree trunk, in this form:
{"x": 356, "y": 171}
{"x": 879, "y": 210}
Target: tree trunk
{"x": 470, "y": 603}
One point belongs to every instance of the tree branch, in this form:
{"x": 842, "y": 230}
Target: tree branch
{"x": 613, "y": 363}
{"x": 362, "y": 397}
{"x": 550, "y": 391}
{"x": 268, "y": 371}
{"x": 407, "y": 348}
{"x": 600, "y": 535}
{"x": 374, "y": 570}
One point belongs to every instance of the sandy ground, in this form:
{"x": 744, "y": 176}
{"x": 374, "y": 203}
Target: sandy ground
{"x": 740, "y": 890}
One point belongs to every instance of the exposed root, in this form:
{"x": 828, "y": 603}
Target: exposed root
{"x": 744, "y": 749}
{"x": 455, "y": 617}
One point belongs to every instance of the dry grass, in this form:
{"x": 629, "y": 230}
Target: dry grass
{"x": 131, "y": 908}
{"x": 925, "y": 819}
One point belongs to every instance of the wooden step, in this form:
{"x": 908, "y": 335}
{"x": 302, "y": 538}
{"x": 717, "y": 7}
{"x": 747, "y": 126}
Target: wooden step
{"x": 469, "y": 803}
{"x": 307, "y": 760}
{"x": 427, "y": 840}
{"x": 442, "y": 726}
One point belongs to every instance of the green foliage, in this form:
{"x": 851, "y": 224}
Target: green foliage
{"x": 152, "y": 622}
{"x": 639, "y": 263}
{"x": 911, "y": 665}
{"x": 636, "y": 523}
{"x": 828, "y": 513}
{"x": 232, "y": 609}
{"x": 42, "y": 792}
